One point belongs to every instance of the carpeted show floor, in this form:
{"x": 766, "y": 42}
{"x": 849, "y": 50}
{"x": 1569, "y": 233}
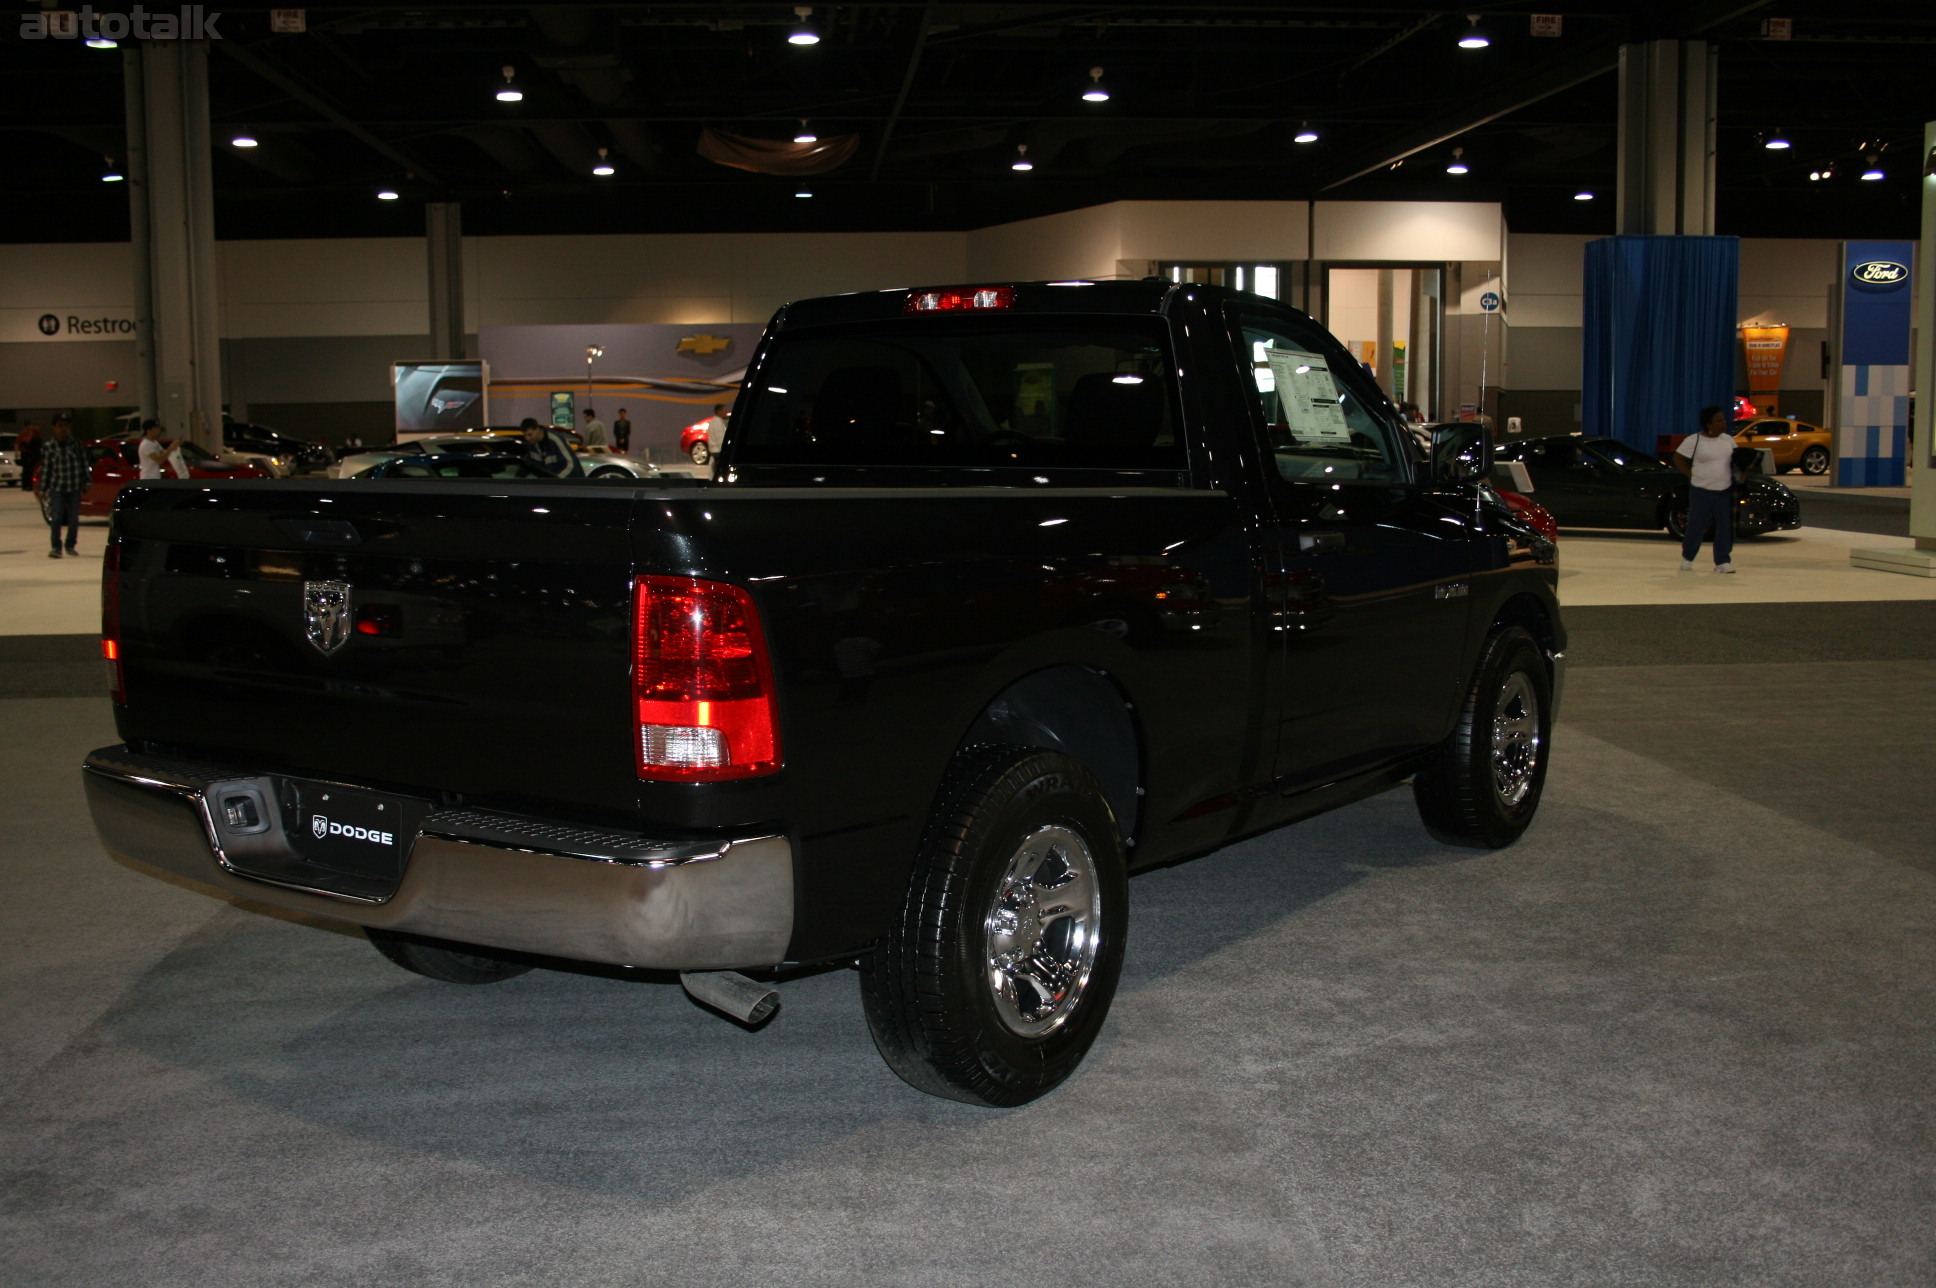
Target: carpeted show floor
{"x": 1679, "y": 1035}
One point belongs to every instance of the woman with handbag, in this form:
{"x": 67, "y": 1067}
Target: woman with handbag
{"x": 1707, "y": 458}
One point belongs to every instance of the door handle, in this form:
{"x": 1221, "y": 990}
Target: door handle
{"x": 1309, "y": 541}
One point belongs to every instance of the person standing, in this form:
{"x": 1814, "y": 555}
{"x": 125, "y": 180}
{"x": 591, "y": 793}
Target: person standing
{"x": 62, "y": 478}
{"x": 1707, "y": 459}
{"x": 622, "y": 432}
{"x": 597, "y": 437}
{"x": 152, "y": 456}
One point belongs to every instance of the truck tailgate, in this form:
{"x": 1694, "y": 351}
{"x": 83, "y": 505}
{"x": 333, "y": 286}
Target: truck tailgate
{"x": 449, "y": 637}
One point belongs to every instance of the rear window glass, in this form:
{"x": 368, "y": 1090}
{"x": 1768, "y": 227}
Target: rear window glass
{"x": 1027, "y": 392}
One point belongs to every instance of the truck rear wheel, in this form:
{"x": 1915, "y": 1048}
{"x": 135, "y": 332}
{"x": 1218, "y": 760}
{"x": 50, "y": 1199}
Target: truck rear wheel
{"x": 1000, "y": 971}
{"x": 1484, "y": 786}
{"x": 438, "y": 959}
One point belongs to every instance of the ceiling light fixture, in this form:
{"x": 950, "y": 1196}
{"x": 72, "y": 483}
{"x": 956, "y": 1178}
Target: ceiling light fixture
{"x": 1875, "y": 168}
{"x": 1776, "y": 142}
{"x": 243, "y": 141}
{"x": 387, "y": 194}
{"x": 803, "y": 34}
{"x": 1021, "y": 162}
{"x": 509, "y": 92}
{"x": 604, "y": 168}
{"x": 1095, "y": 93}
{"x": 1305, "y": 134}
{"x": 1473, "y": 37}
{"x": 111, "y": 173}
{"x": 806, "y": 135}
{"x": 1583, "y": 195}
{"x": 803, "y": 191}
{"x": 1458, "y": 165}
{"x": 102, "y": 42}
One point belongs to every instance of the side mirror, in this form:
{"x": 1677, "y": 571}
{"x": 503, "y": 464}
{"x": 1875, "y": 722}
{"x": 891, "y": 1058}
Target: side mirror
{"x": 1461, "y": 452}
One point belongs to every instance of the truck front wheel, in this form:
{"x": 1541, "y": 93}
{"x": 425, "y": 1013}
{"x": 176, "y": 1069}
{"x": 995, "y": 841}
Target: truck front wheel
{"x": 1000, "y": 970}
{"x": 436, "y": 959}
{"x": 1483, "y": 788}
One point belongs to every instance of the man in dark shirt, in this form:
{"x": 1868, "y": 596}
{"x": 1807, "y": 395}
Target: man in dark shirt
{"x": 622, "y": 432}
{"x": 62, "y": 478}
{"x": 547, "y": 452}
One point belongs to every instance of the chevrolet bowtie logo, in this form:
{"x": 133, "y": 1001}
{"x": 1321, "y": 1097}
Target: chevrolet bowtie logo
{"x": 703, "y": 343}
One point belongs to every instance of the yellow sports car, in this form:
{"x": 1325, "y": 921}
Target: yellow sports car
{"x": 1794, "y": 443}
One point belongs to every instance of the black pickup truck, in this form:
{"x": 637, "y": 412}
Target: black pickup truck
{"x": 1000, "y": 593}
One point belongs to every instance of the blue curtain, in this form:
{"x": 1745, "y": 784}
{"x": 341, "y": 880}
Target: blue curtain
{"x": 1659, "y": 332}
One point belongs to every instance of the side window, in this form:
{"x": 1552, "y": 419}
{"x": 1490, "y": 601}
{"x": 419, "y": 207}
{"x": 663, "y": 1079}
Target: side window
{"x": 1316, "y": 407}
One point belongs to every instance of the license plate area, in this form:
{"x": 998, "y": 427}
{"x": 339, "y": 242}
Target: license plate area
{"x": 319, "y": 836}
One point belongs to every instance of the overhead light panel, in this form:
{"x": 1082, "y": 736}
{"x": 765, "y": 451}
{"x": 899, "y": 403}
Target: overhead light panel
{"x": 803, "y": 32}
{"x": 509, "y": 92}
{"x": 1096, "y": 93}
{"x": 1777, "y": 142}
{"x": 1305, "y": 134}
{"x": 604, "y": 168}
{"x": 1458, "y": 165}
{"x": 1473, "y": 38}
{"x": 1021, "y": 162}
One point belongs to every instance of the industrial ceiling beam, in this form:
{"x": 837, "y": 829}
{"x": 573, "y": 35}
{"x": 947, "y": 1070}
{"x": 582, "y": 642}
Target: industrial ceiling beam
{"x": 907, "y": 84}
{"x": 324, "y": 108}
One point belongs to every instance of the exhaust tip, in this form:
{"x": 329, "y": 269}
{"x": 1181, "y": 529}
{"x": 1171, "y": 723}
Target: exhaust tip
{"x": 728, "y": 991}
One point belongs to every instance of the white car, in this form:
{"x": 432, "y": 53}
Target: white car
{"x": 10, "y": 459}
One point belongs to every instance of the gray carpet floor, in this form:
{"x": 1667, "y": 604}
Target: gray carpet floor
{"x": 1680, "y": 1034}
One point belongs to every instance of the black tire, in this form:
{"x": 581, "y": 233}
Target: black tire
{"x": 441, "y": 960}
{"x": 701, "y": 452}
{"x": 1484, "y": 787}
{"x": 1673, "y": 517}
{"x": 611, "y": 472}
{"x": 1815, "y": 460}
{"x": 944, "y": 1015}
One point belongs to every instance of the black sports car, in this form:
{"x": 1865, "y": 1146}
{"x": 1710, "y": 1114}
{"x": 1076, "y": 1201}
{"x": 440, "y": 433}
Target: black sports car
{"x": 1603, "y": 483}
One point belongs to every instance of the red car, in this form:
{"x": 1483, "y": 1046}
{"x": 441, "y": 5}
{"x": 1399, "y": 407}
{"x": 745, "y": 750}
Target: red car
{"x": 1533, "y": 512}
{"x": 114, "y": 464}
{"x": 696, "y": 441}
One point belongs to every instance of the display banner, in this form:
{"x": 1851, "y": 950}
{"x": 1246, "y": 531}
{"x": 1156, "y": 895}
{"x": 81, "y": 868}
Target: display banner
{"x": 1764, "y": 348}
{"x": 1872, "y": 404}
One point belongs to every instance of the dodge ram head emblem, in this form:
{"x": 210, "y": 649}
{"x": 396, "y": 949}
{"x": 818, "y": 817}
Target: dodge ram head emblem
{"x": 326, "y": 614}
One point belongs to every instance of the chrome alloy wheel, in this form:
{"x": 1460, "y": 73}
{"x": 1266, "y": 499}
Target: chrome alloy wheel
{"x": 1515, "y": 739}
{"x": 1043, "y": 928}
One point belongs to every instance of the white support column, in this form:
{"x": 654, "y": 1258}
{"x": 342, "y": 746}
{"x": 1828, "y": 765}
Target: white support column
{"x": 1922, "y": 359}
{"x": 181, "y": 240}
{"x": 1666, "y": 146}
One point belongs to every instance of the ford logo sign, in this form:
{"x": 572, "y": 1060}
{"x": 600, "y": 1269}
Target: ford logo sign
{"x": 1879, "y": 272}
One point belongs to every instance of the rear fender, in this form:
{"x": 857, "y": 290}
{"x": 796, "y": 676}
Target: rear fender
{"x": 1079, "y": 712}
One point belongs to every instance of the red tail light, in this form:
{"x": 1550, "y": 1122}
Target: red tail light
{"x": 111, "y": 622}
{"x": 702, "y": 682}
{"x": 979, "y": 297}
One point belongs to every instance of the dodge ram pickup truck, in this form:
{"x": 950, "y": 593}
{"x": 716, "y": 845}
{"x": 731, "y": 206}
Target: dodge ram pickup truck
{"x": 1000, "y": 594}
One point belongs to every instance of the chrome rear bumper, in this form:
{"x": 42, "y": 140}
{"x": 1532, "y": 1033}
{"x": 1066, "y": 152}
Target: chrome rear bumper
{"x": 485, "y": 878}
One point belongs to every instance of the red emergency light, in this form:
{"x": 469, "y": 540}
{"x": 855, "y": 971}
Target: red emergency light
{"x": 978, "y": 297}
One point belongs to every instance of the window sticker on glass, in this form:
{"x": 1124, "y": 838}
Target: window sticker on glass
{"x": 1313, "y": 408}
